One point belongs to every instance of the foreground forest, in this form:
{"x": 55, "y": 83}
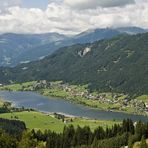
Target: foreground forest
{"x": 119, "y": 135}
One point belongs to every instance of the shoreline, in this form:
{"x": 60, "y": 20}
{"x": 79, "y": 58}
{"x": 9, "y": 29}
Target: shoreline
{"x": 115, "y": 118}
{"x": 51, "y": 113}
{"x": 86, "y": 105}
{"x": 77, "y": 103}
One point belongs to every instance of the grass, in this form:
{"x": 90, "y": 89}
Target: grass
{"x": 143, "y": 98}
{"x": 17, "y": 87}
{"x": 37, "y": 120}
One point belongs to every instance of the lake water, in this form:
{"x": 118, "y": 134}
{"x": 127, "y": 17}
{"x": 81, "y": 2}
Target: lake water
{"x": 51, "y": 104}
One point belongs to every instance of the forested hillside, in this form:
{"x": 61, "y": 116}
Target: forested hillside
{"x": 119, "y": 65}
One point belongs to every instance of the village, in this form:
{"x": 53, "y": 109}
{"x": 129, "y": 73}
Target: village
{"x": 115, "y": 101}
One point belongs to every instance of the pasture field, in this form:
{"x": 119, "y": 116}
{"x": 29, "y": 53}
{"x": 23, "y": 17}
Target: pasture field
{"x": 42, "y": 121}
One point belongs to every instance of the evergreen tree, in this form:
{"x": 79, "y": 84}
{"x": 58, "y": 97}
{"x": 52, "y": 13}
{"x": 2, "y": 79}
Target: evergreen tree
{"x": 7, "y": 141}
{"x": 99, "y": 133}
{"x": 68, "y": 134}
{"x": 139, "y": 130}
{"x": 95, "y": 143}
{"x": 128, "y": 126}
{"x": 27, "y": 141}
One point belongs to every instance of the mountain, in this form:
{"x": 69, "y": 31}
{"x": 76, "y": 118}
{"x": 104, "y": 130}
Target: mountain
{"x": 92, "y": 35}
{"x": 23, "y": 48}
{"x": 13, "y": 47}
{"x": 119, "y": 64}
{"x": 131, "y": 30}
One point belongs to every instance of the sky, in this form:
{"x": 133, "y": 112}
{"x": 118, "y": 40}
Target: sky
{"x": 70, "y": 16}
{"x": 42, "y": 4}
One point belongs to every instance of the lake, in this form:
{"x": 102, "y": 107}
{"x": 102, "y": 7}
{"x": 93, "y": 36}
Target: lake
{"x": 51, "y": 104}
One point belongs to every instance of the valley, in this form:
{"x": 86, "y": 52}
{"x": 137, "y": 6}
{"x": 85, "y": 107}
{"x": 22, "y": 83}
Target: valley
{"x": 87, "y": 87}
{"x": 73, "y": 74}
{"x": 90, "y": 89}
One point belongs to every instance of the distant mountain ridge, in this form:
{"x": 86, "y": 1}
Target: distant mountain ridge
{"x": 119, "y": 64}
{"x": 92, "y": 35}
{"x": 132, "y": 30}
{"x": 23, "y": 48}
{"x": 14, "y": 46}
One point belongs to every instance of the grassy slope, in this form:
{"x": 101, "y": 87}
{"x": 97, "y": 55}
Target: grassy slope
{"x": 143, "y": 98}
{"x": 17, "y": 87}
{"x": 37, "y": 120}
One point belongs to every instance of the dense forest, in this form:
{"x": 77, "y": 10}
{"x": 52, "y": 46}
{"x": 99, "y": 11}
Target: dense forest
{"x": 119, "y": 135}
{"x": 116, "y": 65}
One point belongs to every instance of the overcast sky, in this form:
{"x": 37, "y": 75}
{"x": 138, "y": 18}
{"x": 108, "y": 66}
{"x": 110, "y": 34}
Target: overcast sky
{"x": 70, "y": 16}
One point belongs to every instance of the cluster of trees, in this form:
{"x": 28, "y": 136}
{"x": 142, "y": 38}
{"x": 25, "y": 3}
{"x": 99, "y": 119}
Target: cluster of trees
{"x": 5, "y": 108}
{"x": 115, "y": 137}
{"x": 12, "y": 127}
{"x": 59, "y": 116}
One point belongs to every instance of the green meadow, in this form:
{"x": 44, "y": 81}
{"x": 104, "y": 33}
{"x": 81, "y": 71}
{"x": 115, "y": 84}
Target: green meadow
{"x": 143, "y": 98}
{"x": 42, "y": 121}
{"x": 19, "y": 86}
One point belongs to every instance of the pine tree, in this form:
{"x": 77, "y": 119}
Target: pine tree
{"x": 95, "y": 143}
{"x": 68, "y": 134}
{"x": 27, "y": 141}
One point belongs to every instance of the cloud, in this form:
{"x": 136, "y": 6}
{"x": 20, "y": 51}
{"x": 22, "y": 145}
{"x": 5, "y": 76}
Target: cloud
{"x": 89, "y": 4}
{"x": 63, "y": 19}
{"x": 9, "y": 3}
